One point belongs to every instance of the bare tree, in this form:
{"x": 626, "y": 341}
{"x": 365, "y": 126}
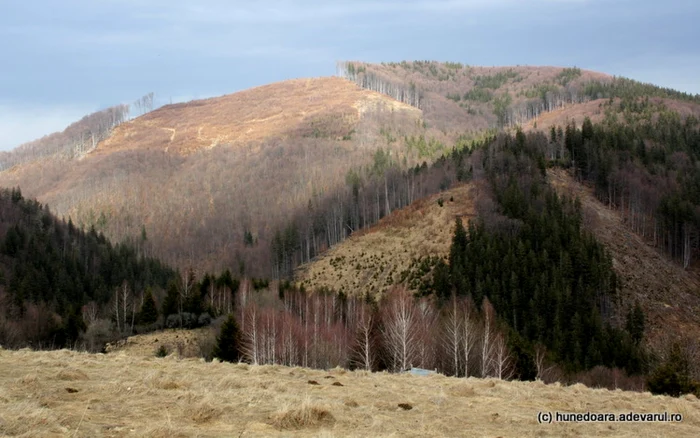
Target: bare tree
{"x": 364, "y": 348}
{"x": 452, "y": 337}
{"x": 540, "y": 362}
{"x": 503, "y": 366}
{"x": 487, "y": 338}
{"x": 251, "y": 340}
{"x": 90, "y": 312}
{"x": 469, "y": 328}
{"x": 400, "y": 331}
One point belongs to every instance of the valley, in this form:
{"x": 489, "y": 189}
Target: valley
{"x": 508, "y": 226}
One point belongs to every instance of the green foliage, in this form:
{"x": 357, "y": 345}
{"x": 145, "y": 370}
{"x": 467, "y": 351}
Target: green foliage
{"x": 673, "y": 376}
{"x": 479, "y": 95}
{"x": 635, "y": 156}
{"x": 50, "y": 263}
{"x": 453, "y": 65}
{"x": 567, "y": 75}
{"x": 171, "y": 302}
{"x": 496, "y": 81}
{"x": 248, "y": 238}
{"x": 149, "y": 311}
{"x": 544, "y": 275}
{"x": 162, "y": 351}
{"x": 500, "y": 108}
{"x": 228, "y": 343}
{"x": 425, "y": 148}
{"x": 630, "y": 89}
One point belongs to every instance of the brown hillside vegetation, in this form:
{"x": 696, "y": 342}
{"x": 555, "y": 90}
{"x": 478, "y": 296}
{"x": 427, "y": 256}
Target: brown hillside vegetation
{"x": 457, "y": 98}
{"x": 669, "y": 295}
{"x": 596, "y": 111}
{"x": 199, "y": 176}
{"x": 372, "y": 260}
{"x": 66, "y": 393}
{"x": 328, "y": 107}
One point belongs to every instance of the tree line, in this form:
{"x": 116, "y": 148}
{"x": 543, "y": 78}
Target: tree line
{"x": 406, "y": 93}
{"x": 78, "y": 138}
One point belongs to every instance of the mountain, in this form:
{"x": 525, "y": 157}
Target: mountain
{"x": 445, "y": 180}
{"x": 207, "y": 182}
{"x": 458, "y": 98}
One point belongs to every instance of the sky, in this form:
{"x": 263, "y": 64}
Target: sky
{"x": 64, "y": 59}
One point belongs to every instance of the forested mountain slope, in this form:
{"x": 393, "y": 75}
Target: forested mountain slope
{"x": 668, "y": 294}
{"x": 208, "y": 182}
{"x": 50, "y": 270}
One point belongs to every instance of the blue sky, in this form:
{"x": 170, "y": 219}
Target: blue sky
{"x": 64, "y": 59}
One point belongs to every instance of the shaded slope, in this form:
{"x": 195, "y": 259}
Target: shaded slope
{"x": 190, "y": 181}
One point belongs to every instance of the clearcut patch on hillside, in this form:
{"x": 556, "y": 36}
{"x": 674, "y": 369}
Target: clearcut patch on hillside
{"x": 669, "y": 295}
{"x": 372, "y": 260}
{"x": 322, "y": 107}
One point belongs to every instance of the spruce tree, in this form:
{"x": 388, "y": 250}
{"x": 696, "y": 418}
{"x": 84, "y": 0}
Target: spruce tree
{"x": 149, "y": 311}
{"x": 228, "y": 342}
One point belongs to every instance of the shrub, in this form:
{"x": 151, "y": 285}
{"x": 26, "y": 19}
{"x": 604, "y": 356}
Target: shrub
{"x": 161, "y": 351}
{"x": 204, "y": 319}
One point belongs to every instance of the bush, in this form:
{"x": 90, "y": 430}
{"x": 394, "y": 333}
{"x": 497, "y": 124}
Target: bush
{"x": 173, "y": 321}
{"x": 161, "y": 351}
{"x": 204, "y": 319}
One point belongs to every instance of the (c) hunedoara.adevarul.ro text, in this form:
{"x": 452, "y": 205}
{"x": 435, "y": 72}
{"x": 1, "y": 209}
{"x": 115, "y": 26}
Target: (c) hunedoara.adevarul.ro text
{"x": 596, "y": 417}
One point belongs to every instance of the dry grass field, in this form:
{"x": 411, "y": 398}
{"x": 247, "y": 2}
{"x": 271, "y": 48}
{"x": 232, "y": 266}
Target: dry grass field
{"x": 372, "y": 260}
{"x": 67, "y": 393}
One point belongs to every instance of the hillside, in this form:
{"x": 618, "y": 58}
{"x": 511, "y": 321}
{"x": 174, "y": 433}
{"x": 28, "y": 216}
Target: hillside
{"x": 668, "y": 294}
{"x": 211, "y": 184}
{"x": 49, "y": 270}
{"x": 78, "y": 394}
{"x": 371, "y": 261}
{"x": 459, "y": 98}
{"x": 195, "y": 179}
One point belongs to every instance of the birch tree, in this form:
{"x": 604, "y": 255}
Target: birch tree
{"x": 400, "y": 329}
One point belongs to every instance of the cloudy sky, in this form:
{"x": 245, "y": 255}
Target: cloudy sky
{"x": 64, "y": 59}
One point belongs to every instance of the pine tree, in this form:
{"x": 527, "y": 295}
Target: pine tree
{"x": 635, "y": 323}
{"x": 228, "y": 342}
{"x": 149, "y": 311}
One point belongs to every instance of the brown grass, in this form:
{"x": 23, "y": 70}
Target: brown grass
{"x": 121, "y": 397}
{"x": 308, "y": 415}
{"x": 372, "y": 260}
